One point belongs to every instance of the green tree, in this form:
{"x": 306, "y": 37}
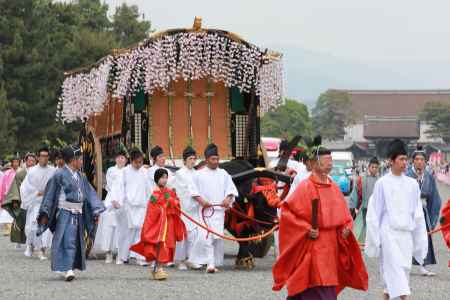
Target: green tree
{"x": 7, "y": 126}
{"x": 127, "y": 27}
{"x": 287, "y": 121}
{"x": 437, "y": 115}
{"x": 332, "y": 114}
{"x": 39, "y": 40}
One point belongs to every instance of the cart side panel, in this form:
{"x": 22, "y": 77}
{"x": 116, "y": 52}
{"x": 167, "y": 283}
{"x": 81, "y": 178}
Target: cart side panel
{"x": 180, "y": 119}
{"x": 220, "y": 124}
{"x": 200, "y": 115}
{"x": 160, "y": 120}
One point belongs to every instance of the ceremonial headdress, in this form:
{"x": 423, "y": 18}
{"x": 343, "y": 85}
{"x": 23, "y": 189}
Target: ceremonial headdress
{"x": 317, "y": 149}
{"x": 121, "y": 151}
{"x": 70, "y": 152}
{"x": 396, "y": 148}
{"x": 156, "y": 151}
{"x": 284, "y": 145}
{"x": 374, "y": 161}
{"x": 188, "y": 151}
{"x": 419, "y": 151}
{"x": 211, "y": 150}
{"x": 135, "y": 153}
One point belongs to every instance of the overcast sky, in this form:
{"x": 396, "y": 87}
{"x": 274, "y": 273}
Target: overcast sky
{"x": 372, "y": 33}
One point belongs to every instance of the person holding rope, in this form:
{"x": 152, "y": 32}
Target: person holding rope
{"x": 319, "y": 254}
{"x": 182, "y": 183}
{"x": 162, "y": 227}
{"x": 215, "y": 191}
{"x": 396, "y": 228}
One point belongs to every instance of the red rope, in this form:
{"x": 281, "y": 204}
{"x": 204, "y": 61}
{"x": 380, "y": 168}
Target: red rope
{"x": 249, "y": 239}
{"x": 439, "y": 229}
{"x": 243, "y": 215}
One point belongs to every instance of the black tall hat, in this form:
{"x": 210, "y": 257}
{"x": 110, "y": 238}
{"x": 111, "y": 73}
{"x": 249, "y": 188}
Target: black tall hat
{"x": 189, "y": 151}
{"x": 317, "y": 148}
{"x": 396, "y": 148}
{"x": 157, "y": 150}
{"x": 284, "y": 145}
{"x": 419, "y": 151}
{"x": 374, "y": 161}
{"x": 211, "y": 150}
{"x": 70, "y": 152}
{"x": 120, "y": 150}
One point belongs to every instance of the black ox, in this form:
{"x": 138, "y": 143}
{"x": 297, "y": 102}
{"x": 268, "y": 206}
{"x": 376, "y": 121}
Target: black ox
{"x": 255, "y": 210}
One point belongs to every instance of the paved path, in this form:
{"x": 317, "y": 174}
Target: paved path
{"x": 23, "y": 278}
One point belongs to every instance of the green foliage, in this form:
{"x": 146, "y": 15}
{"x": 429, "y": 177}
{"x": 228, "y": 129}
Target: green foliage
{"x": 332, "y": 114}
{"x": 437, "y": 115}
{"x": 127, "y": 28}
{"x": 287, "y": 121}
{"x": 7, "y": 125}
{"x": 39, "y": 40}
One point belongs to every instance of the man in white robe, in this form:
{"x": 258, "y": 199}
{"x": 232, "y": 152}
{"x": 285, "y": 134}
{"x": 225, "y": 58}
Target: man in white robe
{"x": 31, "y": 192}
{"x": 396, "y": 228}
{"x": 130, "y": 196}
{"x": 182, "y": 183}
{"x": 106, "y": 236}
{"x": 212, "y": 186}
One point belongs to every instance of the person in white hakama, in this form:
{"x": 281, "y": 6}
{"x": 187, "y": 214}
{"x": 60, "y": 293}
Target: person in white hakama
{"x": 182, "y": 184}
{"x": 212, "y": 186}
{"x": 106, "y": 236}
{"x": 31, "y": 192}
{"x": 130, "y": 196}
{"x": 396, "y": 228}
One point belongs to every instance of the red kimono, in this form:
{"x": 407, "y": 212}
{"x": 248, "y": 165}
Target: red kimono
{"x": 162, "y": 226}
{"x": 328, "y": 261}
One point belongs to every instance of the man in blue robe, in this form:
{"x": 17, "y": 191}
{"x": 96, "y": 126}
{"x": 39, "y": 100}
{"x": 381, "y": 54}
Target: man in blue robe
{"x": 430, "y": 199}
{"x": 69, "y": 207}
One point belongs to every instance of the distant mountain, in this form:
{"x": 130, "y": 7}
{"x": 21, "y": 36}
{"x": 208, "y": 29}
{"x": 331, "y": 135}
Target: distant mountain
{"x": 310, "y": 73}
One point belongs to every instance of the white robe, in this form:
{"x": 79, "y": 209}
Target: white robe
{"x": 132, "y": 191}
{"x": 35, "y": 181}
{"x": 182, "y": 183}
{"x": 298, "y": 179}
{"x": 213, "y": 186}
{"x": 106, "y": 236}
{"x": 396, "y": 231}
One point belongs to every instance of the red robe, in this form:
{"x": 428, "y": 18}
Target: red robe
{"x": 329, "y": 260}
{"x": 162, "y": 227}
{"x": 445, "y": 223}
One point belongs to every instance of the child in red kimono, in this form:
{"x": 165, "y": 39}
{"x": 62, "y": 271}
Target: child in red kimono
{"x": 162, "y": 227}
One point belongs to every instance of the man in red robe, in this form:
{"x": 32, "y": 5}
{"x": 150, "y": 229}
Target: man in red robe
{"x": 162, "y": 227}
{"x": 319, "y": 255}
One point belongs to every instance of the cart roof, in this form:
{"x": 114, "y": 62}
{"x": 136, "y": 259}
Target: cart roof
{"x": 186, "y": 54}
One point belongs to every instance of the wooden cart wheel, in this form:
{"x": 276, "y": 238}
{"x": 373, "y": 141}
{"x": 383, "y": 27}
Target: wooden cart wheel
{"x": 92, "y": 168}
